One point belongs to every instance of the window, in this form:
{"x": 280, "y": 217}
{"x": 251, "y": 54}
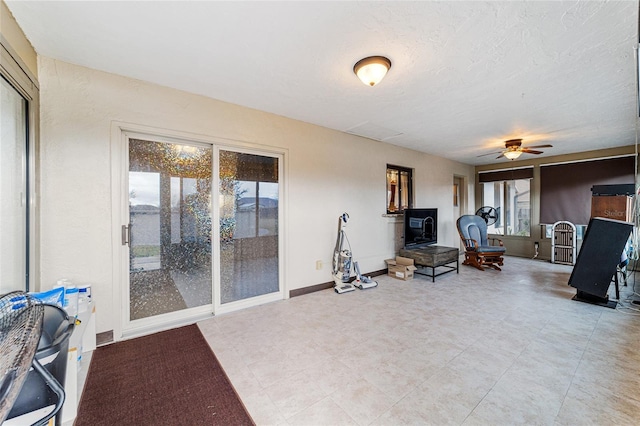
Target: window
{"x": 511, "y": 199}
{"x": 399, "y": 188}
{"x": 509, "y": 193}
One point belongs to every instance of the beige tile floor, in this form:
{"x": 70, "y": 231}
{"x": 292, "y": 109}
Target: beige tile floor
{"x": 477, "y": 348}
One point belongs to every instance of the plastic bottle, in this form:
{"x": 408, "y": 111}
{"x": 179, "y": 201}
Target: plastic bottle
{"x": 85, "y": 290}
{"x": 84, "y": 297}
{"x": 71, "y": 300}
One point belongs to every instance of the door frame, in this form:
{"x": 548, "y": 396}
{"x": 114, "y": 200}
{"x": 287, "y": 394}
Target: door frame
{"x": 120, "y": 133}
{"x": 21, "y": 79}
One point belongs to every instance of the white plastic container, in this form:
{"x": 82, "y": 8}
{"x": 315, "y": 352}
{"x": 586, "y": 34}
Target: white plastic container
{"x": 71, "y": 300}
{"x": 85, "y": 290}
{"x": 84, "y": 298}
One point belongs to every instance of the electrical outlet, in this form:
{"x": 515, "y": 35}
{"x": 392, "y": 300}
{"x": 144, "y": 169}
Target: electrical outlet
{"x": 318, "y": 265}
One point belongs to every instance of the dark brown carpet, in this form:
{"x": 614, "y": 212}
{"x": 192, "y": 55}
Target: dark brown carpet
{"x": 167, "y": 378}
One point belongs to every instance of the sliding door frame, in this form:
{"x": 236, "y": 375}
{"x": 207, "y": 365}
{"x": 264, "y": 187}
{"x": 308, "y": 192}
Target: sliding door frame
{"x": 17, "y": 74}
{"x": 120, "y": 133}
{"x": 166, "y": 320}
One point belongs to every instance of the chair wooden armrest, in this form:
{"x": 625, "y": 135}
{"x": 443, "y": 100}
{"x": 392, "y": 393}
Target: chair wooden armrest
{"x": 470, "y": 244}
{"x": 492, "y": 241}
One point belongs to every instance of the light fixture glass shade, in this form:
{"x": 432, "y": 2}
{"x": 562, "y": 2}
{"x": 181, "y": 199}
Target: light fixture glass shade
{"x": 372, "y": 70}
{"x": 512, "y": 155}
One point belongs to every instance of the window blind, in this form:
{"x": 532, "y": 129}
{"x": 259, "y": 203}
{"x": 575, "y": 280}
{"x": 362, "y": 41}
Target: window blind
{"x": 502, "y": 175}
{"x": 565, "y": 189}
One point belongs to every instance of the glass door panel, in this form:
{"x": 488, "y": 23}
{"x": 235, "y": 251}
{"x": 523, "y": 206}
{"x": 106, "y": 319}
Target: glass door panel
{"x": 248, "y": 194}
{"x": 170, "y": 227}
{"x": 13, "y": 189}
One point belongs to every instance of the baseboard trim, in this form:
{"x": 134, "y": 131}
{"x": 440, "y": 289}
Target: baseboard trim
{"x": 311, "y": 289}
{"x": 319, "y": 287}
{"x": 378, "y": 273}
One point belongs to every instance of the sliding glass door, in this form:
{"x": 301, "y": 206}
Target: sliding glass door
{"x": 169, "y": 227}
{"x": 202, "y": 231}
{"x": 249, "y": 194}
{"x": 14, "y": 191}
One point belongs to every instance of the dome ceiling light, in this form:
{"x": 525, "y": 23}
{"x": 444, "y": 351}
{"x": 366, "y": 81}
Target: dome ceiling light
{"x": 371, "y": 70}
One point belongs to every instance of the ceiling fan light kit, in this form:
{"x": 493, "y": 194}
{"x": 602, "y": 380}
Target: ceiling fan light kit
{"x": 371, "y": 70}
{"x": 512, "y": 155}
{"x": 513, "y": 149}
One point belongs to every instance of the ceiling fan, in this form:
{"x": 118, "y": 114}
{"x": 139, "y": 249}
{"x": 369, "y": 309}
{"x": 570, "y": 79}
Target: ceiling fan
{"x": 513, "y": 149}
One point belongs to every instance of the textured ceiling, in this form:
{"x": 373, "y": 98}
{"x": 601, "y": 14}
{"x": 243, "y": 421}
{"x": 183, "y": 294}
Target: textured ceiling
{"x": 465, "y": 77}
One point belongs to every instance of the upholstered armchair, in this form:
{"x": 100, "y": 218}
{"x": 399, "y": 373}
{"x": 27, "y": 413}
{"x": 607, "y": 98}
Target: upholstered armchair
{"x": 480, "y": 250}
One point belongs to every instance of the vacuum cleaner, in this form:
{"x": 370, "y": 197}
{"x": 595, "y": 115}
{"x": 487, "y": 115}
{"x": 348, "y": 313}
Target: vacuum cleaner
{"x": 342, "y": 258}
{"x": 362, "y": 281}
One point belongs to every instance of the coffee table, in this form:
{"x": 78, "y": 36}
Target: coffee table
{"x": 433, "y": 257}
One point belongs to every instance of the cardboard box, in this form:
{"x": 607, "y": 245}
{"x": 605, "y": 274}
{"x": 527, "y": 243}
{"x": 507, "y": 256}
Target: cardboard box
{"x": 401, "y": 268}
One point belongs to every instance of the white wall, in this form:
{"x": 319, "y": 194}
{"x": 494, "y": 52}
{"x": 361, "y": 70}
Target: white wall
{"x": 329, "y": 172}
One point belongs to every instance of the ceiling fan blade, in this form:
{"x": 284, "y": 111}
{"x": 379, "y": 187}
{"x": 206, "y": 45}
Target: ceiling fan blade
{"x": 499, "y": 156}
{"x": 531, "y": 151}
{"x": 540, "y": 146}
{"x": 490, "y": 153}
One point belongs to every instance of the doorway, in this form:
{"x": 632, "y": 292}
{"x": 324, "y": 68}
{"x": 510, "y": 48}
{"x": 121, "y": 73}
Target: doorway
{"x": 201, "y": 231}
{"x": 14, "y": 189}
